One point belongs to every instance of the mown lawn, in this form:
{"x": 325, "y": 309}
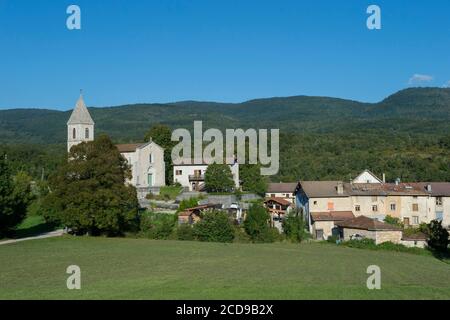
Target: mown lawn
{"x": 147, "y": 269}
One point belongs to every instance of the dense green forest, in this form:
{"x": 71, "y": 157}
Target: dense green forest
{"x": 407, "y": 135}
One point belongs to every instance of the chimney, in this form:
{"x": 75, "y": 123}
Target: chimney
{"x": 397, "y": 181}
{"x": 384, "y": 178}
{"x": 340, "y": 187}
{"x": 429, "y": 187}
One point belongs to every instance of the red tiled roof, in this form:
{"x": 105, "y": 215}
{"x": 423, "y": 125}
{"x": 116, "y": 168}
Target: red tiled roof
{"x": 365, "y": 223}
{"x": 279, "y": 200}
{"x": 332, "y": 216}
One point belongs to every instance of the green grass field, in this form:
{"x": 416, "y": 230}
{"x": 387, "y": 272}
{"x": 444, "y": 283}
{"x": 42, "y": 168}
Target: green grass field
{"x": 147, "y": 269}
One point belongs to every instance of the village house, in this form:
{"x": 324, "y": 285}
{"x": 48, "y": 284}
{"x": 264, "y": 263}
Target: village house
{"x": 282, "y": 190}
{"x": 365, "y": 227}
{"x": 192, "y": 176}
{"x": 411, "y": 203}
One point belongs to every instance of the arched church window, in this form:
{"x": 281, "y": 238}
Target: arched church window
{"x": 86, "y": 133}
{"x": 74, "y": 133}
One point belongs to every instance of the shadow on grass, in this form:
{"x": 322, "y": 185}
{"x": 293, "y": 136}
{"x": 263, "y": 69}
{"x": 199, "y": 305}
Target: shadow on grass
{"x": 32, "y": 231}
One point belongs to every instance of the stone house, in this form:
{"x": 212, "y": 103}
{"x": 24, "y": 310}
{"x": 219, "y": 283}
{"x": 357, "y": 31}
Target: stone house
{"x": 371, "y": 229}
{"x": 282, "y": 190}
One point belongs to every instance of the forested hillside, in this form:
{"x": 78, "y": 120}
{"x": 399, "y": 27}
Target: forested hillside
{"x": 407, "y": 135}
{"x": 417, "y": 110}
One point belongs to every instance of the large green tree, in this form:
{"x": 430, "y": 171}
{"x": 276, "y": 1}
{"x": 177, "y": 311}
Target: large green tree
{"x": 294, "y": 226}
{"x": 15, "y": 195}
{"x": 162, "y": 134}
{"x": 218, "y": 178}
{"x": 256, "y": 224}
{"x": 88, "y": 192}
{"x": 252, "y": 180}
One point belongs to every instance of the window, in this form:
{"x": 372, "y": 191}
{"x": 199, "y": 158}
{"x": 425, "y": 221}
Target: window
{"x": 273, "y": 195}
{"x": 74, "y": 133}
{"x": 375, "y": 208}
{"x": 330, "y": 205}
{"x": 357, "y": 208}
{"x": 439, "y": 215}
{"x": 393, "y": 206}
{"x": 406, "y": 221}
{"x": 150, "y": 180}
{"x": 315, "y": 203}
{"x": 415, "y": 207}
{"x": 415, "y": 220}
{"x": 150, "y": 158}
{"x": 178, "y": 172}
{"x": 439, "y": 201}
{"x": 86, "y": 133}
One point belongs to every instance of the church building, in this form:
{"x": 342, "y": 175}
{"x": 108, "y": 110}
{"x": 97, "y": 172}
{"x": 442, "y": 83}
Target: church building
{"x": 145, "y": 159}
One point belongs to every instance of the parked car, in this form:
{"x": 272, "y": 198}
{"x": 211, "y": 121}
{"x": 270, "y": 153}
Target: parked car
{"x": 357, "y": 236}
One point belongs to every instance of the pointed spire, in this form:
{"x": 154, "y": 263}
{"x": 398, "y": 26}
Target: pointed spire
{"x": 80, "y": 114}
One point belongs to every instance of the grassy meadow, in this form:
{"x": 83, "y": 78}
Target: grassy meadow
{"x": 148, "y": 269}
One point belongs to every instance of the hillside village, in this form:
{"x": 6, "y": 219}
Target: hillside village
{"x": 345, "y": 210}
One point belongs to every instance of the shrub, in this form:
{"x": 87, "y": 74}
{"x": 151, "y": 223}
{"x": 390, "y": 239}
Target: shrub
{"x": 187, "y": 203}
{"x": 240, "y": 236}
{"x": 393, "y": 221}
{"x": 256, "y": 224}
{"x": 214, "y": 227}
{"x": 157, "y": 225}
{"x": 333, "y": 239}
{"x": 294, "y": 226}
{"x": 185, "y": 232}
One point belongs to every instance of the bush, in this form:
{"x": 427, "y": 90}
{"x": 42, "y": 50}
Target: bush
{"x": 240, "y": 236}
{"x": 214, "y": 227}
{"x": 333, "y": 239}
{"x": 294, "y": 226}
{"x": 393, "y": 221}
{"x": 187, "y": 203}
{"x": 438, "y": 236}
{"x": 256, "y": 224}
{"x": 157, "y": 225}
{"x": 185, "y": 232}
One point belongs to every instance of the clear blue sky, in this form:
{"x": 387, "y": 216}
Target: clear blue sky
{"x": 217, "y": 50}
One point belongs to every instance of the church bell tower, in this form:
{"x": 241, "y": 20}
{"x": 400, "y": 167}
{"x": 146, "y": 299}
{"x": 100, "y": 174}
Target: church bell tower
{"x": 80, "y": 127}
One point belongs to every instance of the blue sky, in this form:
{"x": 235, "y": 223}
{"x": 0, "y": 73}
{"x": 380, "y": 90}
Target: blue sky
{"x": 217, "y": 50}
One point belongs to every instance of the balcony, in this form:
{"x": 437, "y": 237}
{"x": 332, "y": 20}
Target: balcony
{"x": 197, "y": 177}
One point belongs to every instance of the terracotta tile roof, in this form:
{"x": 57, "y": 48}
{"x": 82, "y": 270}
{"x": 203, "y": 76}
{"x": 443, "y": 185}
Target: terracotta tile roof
{"x": 278, "y": 200}
{"x": 282, "y": 187}
{"x": 365, "y": 223}
{"x": 328, "y": 189}
{"x": 414, "y": 237}
{"x": 128, "y": 147}
{"x": 332, "y": 216}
